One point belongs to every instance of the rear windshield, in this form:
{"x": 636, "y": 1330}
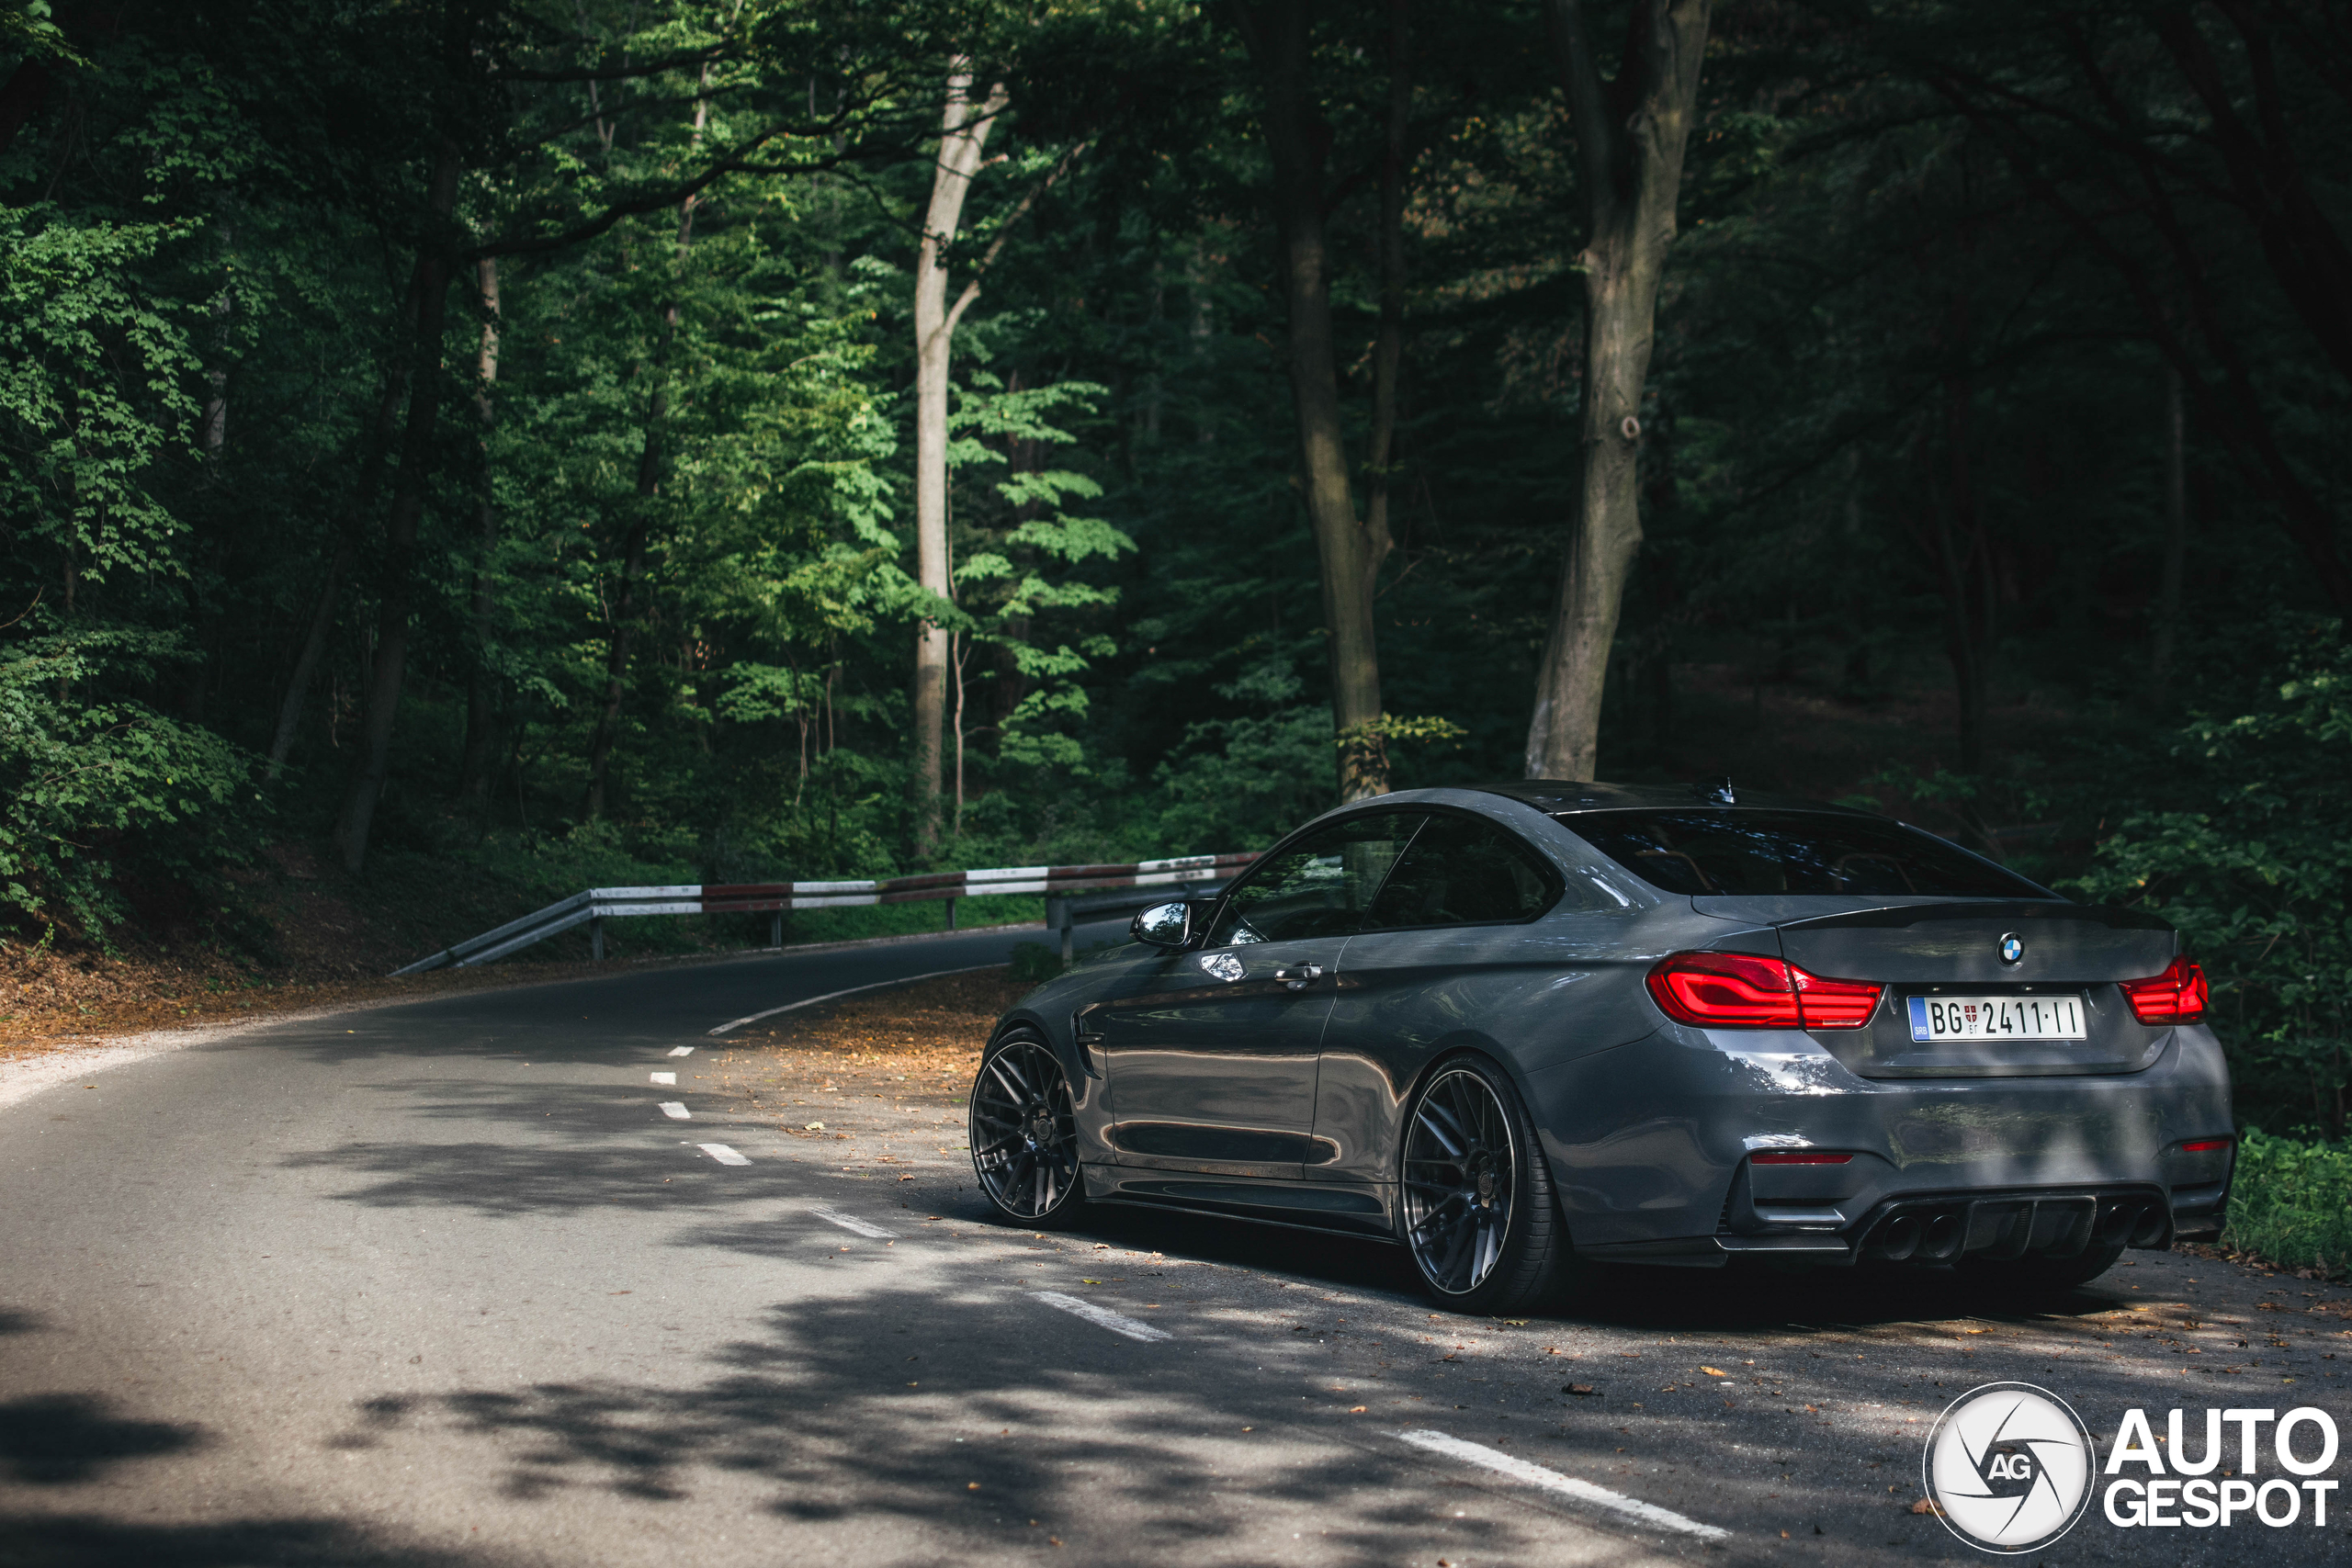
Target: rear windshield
{"x": 1789, "y": 852}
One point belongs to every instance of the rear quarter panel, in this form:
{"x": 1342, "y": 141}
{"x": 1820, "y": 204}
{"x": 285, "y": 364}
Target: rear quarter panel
{"x": 1532, "y": 996}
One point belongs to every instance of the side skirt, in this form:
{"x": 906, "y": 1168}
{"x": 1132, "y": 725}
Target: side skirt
{"x": 1367, "y": 1213}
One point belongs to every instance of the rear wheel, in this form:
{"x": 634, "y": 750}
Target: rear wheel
{"x": 2038, "y": 1275}
{"x": 1477, "y": 1208}
{"x": 1024, "y": 1133}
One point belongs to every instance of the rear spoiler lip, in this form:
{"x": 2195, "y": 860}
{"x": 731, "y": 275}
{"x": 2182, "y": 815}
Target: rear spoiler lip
{"x": 2115, "y": 916}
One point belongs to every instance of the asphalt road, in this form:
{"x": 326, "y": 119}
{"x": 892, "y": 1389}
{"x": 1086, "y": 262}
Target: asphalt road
{"x": 445, "y": 1284}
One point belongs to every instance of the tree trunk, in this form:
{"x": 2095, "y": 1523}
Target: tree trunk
{"x": 397, "y": 601}
{"x": 481, "y": 727}
{"x": 314, "y": 646}
{"x": 1630, "y": 132}
{"x": 1349, "y": 552}
{"x": 2176, "y": 539}
{"x": 354, "y": 519}
{"x": 963, "y": 130}
{"x": 1388, "y": 348}
{"x": 1961, "y": 552}
{"x": 649, "y": 461}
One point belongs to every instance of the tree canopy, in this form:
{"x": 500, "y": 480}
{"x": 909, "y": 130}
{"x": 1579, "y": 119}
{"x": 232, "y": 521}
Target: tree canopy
{"x": 430, "y": 424}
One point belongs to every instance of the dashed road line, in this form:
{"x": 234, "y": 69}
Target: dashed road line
{"x": 676, "y": 1111}
{"x": 682, "y": 1050}
{"x": 665, "y": 1077}
{"x": 1102, "y": 1317}
{"x": 852, "y": 1224}
{"x": 829, "y": 996}
{"x": 722, "y": 1154}
{"x": 1554, "y": 1481}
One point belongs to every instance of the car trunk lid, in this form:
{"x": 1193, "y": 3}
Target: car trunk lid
{"x": 1955, "y": 950}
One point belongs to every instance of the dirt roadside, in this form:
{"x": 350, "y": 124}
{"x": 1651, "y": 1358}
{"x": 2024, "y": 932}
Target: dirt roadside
{"x": 862, "y": 1067}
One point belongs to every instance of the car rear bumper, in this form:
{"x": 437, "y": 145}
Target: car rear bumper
{"x": 1652, "y": 1147}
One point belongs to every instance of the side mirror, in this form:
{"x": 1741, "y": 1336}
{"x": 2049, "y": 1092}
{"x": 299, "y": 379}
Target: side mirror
{"x": 1163, "y": 925}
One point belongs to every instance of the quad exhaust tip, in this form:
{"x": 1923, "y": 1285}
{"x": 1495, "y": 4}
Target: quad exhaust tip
{"x": 1943, "y": 1231}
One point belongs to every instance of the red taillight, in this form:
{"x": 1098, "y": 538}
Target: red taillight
{"x": 1797, "y": 1156}
{"x": 1728, "y": 990}
{"x": 2177, "y": 996}
{"x": 2205, "y": 1146}
{"x": 1833, "y": 1004}
{"x": 1739, "y": 990}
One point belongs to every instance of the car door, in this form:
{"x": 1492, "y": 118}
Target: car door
{"x": 1212, "y": 1057}
{"x": 1444, "y": 950}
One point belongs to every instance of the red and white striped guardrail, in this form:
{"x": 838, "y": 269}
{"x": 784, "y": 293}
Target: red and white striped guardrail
{"x": 721, "y": 898}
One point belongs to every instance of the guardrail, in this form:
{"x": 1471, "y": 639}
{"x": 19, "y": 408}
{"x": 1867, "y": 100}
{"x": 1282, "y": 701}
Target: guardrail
{"x": 1185, "y": 875}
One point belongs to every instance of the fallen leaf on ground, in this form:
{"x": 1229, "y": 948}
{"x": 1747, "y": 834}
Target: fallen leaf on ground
{"x": 1926, "y": 1506}
{"x": 1580, "y": 1389}
{"x": 1713, "y": 1373}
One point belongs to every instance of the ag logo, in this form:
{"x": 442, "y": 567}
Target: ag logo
{"x": 2010, "y": 1467}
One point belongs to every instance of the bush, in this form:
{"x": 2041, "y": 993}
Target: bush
{"x": 2251, "y": 860}
{"x": 2291, "y": 1201}
{"x": 93, "y": 786}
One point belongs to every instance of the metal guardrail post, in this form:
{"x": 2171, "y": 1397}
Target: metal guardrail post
{"x": 951, "y": 914}
{"x": 1057, "y": 920}
{"x": 597, "y": 940}
{"x": 775, "y": 929}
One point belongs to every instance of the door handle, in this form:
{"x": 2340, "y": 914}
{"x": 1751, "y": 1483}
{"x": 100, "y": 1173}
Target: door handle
{"x": 1299, "y": 976}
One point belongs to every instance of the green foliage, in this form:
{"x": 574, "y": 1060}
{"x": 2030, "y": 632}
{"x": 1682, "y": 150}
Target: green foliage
{"x": 2254, "y": 867}
{"x": 2291, "y": 1203}
{"x": 90, "y": 784}
{"x": 1895, "y": 398}
{"x": 92, "y": 390}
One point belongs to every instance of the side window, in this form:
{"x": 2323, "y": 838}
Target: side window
{"x": 1322, "y": 885}
{"x": 1463, "y": 872}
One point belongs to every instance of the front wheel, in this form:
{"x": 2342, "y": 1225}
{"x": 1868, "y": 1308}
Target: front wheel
{"x": 1024, "y": 1133}
{"x": 1477, "y": 1208}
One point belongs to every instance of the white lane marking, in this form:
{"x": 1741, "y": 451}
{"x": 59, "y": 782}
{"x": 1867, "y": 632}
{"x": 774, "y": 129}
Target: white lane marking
{"x": 665, "y": 1077}
{"x": 829, "y": 996}
{"x": 722, "y": 1154}
{"x": 676, "y": 1111}
{"x": 682, "y": 1050}
{"x": 1102, "y": 1317}
{"x": 1565, "y": 1485}
{"x": 852, "y": 1224}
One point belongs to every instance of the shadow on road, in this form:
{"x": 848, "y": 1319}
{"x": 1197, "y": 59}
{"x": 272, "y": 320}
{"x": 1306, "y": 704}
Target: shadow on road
{"x": 965, "y": 1420}
{"x": 81, "y": 1541}
{"x": 59, "y": 1439}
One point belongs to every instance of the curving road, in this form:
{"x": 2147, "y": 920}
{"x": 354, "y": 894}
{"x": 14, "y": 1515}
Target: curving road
{"x": 443, "y": 1283}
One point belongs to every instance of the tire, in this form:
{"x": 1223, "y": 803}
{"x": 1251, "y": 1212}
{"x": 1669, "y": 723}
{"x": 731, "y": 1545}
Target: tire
{"x": 1476, "y": 1205}
{"x": 2040, "y": 1276}
{"x": 1024, "y": 1134}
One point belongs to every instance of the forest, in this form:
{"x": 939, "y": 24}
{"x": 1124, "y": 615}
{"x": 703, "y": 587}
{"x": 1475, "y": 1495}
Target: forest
{"x": 533, "y": 444}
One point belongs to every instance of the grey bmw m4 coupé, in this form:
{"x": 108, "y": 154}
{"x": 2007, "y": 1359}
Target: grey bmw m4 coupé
{"x": 1521, "y": 1028}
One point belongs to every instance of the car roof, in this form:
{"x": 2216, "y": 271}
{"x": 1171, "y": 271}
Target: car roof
{"x": 1566, "y": 798}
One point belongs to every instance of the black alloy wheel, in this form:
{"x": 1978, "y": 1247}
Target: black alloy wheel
{"x": 1024, "y": 1133}
{"x": 1479, "y": 1213}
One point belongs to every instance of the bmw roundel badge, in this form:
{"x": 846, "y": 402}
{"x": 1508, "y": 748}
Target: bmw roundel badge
{"x": 2012, "y": 948}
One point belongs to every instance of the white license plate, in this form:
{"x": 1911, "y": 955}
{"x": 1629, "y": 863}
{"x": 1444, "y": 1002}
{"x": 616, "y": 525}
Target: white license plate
{"x": 1997, "y": 1018}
